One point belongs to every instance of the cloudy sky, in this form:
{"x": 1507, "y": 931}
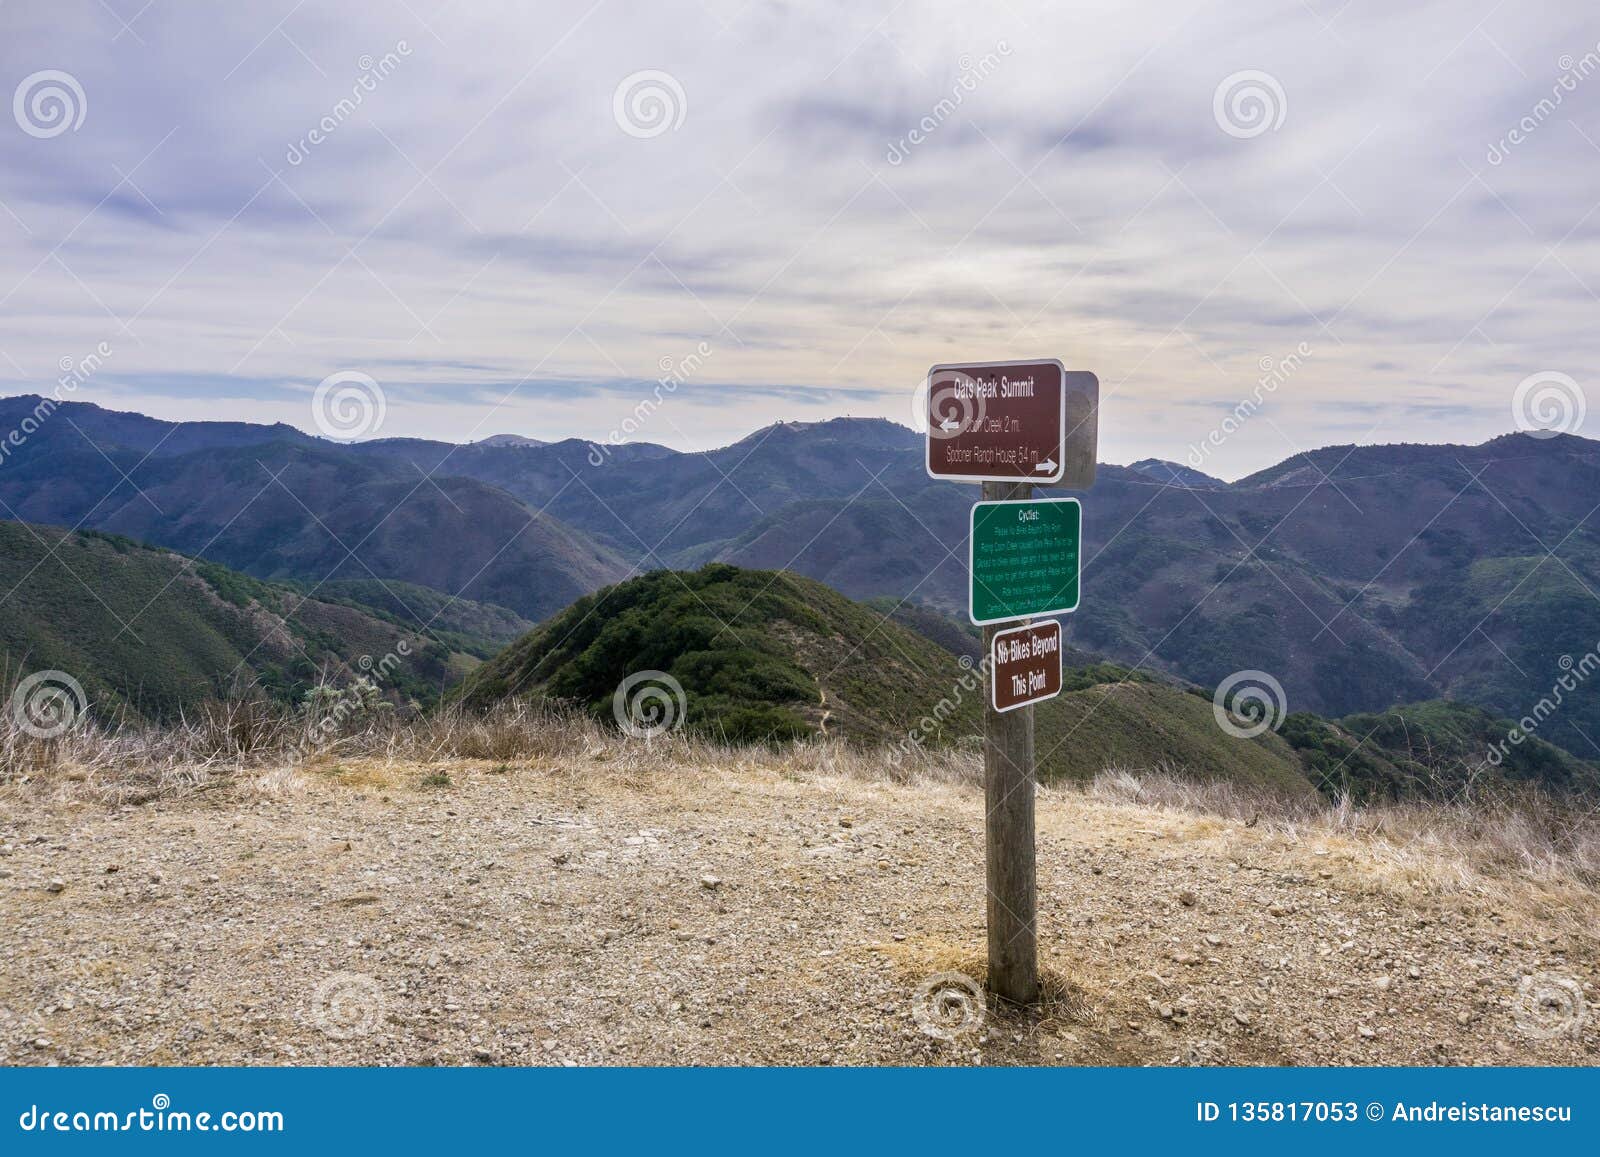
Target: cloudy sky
{"x": 511, "y": 217}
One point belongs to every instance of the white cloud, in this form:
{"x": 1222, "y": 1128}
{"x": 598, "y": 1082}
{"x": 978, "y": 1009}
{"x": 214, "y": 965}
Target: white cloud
{"x": 480, "y": 220}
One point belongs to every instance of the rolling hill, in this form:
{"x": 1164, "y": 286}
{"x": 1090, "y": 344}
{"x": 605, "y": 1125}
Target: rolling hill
{"x": 760, "y": 655}
{"x": 768, "y": 656}
{"x": 1436, "y": 750}
{"x": 151, "y": 633}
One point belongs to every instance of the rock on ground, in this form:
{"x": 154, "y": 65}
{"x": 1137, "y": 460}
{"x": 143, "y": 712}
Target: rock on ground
{"x": 558, "y": 915}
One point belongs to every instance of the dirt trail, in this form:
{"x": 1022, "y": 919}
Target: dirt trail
{"x": 576, "y": 914}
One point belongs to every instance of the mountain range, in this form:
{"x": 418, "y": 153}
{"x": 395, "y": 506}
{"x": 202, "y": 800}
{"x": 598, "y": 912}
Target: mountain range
{"x": 1359, "y": 577}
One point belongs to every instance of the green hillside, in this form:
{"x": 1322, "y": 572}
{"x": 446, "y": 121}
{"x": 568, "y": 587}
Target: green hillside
{"x": 770, "y": 655}
{"x": 480, "y": 629}
{"x": 1435, "y": 749}
{"x": 1149, "y": 726}
{"x": 761, "y": 655}
{"x": 765, "y": 655}
{"x": 152, "y": 633}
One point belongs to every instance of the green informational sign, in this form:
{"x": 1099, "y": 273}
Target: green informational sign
{"x": 1023, "y": 558}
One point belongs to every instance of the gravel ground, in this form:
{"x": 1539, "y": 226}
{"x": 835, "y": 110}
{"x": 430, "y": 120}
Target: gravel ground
{"x": 543, "y": 914}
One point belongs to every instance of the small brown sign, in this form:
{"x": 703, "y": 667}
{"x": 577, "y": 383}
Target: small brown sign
{"x": 1024, "y": 421}
{"x": 1025, "y": 665}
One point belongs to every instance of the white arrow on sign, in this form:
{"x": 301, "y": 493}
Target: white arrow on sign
{"x": 1048, "y": 466}
{"x": 949, "y": 424}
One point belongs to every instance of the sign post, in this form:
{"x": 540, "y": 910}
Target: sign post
{"x": 1025, "y": 665}
{"x": 1022, "y": 559}
{"x": 1010, "y": 872}
{"x": 1013, "y": 422}
{"x": 1010, "y": 425}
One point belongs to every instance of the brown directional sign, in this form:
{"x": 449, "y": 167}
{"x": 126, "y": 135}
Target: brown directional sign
{"x": 1025, "y": 665}
{"x": 1021, "y": 421}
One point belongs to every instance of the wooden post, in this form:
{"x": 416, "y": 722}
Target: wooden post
{"x": 1008, "y": 826}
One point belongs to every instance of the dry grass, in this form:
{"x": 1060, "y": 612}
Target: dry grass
{"x": 1532, "y": 835}
{"x": 256, "y": 748}
{"x": 246, "y": 742}
{"x": 253, "y": 743}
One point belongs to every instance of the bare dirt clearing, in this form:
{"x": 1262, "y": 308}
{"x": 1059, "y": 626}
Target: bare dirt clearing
{"x": 583, "y": 910}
